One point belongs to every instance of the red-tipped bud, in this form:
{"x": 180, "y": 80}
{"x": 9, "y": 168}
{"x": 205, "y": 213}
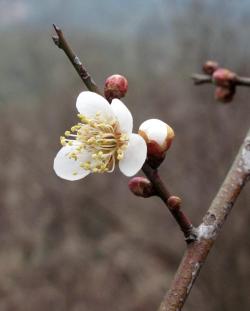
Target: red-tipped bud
{"x": 158, "y": 136}
{"x": 116, "y": 86}
{"x": 224, "y": 77}
{"x": 141, "y": 187}
{"x": 174, "y": 202}
{"x": 209, "y": 67}
{"x": 224, "y": 94}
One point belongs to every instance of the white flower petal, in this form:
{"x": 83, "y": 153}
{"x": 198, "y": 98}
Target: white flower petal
{"x": 90, "y": 103}
{"x": 67, "y": 168}
{"x": 155, "y": 130}
{"x": 123, "y": 116}
{"x": 134, "y": 156}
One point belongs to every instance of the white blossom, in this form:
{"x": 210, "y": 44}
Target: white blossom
{"x": 102, "y": 138}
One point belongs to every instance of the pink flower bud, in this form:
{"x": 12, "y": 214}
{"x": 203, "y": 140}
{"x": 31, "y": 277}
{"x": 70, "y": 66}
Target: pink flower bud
{"x": 209, "y": 67}
{"x": 174, "y": 202}
{"x": 141, "y": 187}
{"x": 224, "y": 77}
{"x": 116, "y": 86}
{"x": 158, "y": 136}
{"x": 224, "y": 94}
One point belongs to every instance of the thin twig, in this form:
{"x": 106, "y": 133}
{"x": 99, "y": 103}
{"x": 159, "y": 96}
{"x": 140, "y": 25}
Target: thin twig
{"x": 205, "y": 79}
{"x": 61, "y": 42}
{"x": 152, "y": 174}
{"x": 208, "y": 231}
{"x": 201, "y": 79}
{"x": 162, "y": 191}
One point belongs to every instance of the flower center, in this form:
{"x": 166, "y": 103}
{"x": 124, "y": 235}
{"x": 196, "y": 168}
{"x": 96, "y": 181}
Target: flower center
{"x": 100, "y": 138}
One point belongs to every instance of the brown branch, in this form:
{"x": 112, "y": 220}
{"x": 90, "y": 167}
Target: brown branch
{"x": 171, "y": 203}
{"x": 205, "y": 79}
{"x": 201, "y": 239}
{"x": 243, "y": 81}
{"x": 201, "y": 79}
{"x": 208, "y": 231}
{"x": 61, "y": 42}
{"x": 152, "y": 174}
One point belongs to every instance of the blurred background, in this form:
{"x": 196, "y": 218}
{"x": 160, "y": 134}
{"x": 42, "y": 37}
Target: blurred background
{"x": 92, "y": 245}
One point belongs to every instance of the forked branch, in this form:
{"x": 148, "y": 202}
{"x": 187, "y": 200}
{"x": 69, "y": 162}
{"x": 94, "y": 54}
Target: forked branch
{"x": 208, "y": 230}
{"x": 200, "y": 240}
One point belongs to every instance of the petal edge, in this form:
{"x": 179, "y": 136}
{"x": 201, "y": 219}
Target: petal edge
{"x": 67, "y": 168}
{"x": 123, "y": 115}
{"x": 134, "y": 156}
{"x": 89, "y": 103}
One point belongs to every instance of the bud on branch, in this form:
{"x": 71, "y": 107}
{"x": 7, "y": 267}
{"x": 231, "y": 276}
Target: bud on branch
{"x": 207, "y": 79}
{"x": 225, "y": 81}
{"x": 209, "y": 67}
{"x": 116, "y": 86}
{"x": 158, "y": 136}
{"x": 141, "y": 187}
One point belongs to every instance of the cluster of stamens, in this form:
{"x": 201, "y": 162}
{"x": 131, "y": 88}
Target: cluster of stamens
{"x": 101, "y": 138}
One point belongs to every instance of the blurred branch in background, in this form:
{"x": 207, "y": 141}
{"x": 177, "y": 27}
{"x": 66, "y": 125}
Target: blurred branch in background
{"x": 225, "y": 81}
{"x": 205, "y": 79}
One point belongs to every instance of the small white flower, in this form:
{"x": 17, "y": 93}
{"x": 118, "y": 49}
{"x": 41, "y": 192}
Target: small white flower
{"x": 102, "y": 138}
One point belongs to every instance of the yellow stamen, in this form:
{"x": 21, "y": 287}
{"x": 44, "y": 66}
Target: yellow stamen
{"x": 101, "y": 138}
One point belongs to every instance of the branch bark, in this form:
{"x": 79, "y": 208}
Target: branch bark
{"x": 208, "y": 231}
{"x": 175, "y": 209}
{"x": 61, "y": 42}
{"x": 199, "y": 79}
